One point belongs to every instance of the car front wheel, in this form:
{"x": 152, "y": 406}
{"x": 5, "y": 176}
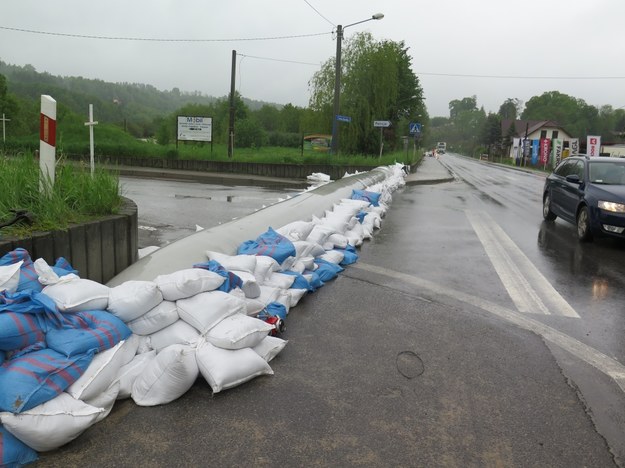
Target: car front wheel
{"x": 583, "y": 225}
{"x": 547, "y": 213}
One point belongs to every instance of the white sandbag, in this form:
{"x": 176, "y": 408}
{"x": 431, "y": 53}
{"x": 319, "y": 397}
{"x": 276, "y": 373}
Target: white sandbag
{"x": 250, "y": 284}
{"x": 298, "y": 267}
{"x": 284, "y": 298}
{"x": 308, "y": 262}
{"x": 338, "y": 221}
{"x": 238, "y": 331}
{"x": 355, "y": 236}
{"x": 359, "y": 203}
{"x": 10, "y": 276}
{"x": 225, "y": 368}
{"x": 252, "y": 306}
{"x": 166, "y": 377}
{"x": 268, "y": 294}
{"x": 307, "y": 249}
{"x": 101, "y": 372}
{"x": 265, "y": 265}
{"x": 297, "y": 230}
{"x": 132, "y": 299}
{"x": 52, "y": 424}
{"x": 233, "y": 262}
{"x": 144, "y": 344}
{"x": 186, "y": 283}
{"x": 159, "y": 317}
{"x": 206, "y": 310}
{"x": 78, "y": 295}
{"x": 320, "y": 234}
{"x": 280, "y": 280}
{"x": 46, "y": 275}
{"x": 295, "y": 295}
{"x": 333, "y": 256}
{"x": 179, "y": 332}
{"x": 338, "y": 241}
{"x": 105, "y": 400}
{"x": 350, "y": 210}
{"x": 129, "y": 372}
{"x": 269, "y": 347}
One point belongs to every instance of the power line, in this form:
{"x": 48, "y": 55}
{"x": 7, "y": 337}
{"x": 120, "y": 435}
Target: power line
{"x": 317, "y": 11}
{"x": 458, "y": 75}
{"x": 153, "y": 39}
{"x": 279, "y": 60}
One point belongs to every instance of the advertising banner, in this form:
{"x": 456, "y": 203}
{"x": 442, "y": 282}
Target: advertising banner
{"x": 593, "y": 145}
{"x": 557, "y": 151}
{"x": 535, "y": 151}
{"x": 574, "y": 146}
{"x": 545, "y": 150}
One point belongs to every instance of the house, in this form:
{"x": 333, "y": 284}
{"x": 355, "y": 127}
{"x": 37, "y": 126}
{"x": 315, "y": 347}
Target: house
{"x": 536, "y": 130}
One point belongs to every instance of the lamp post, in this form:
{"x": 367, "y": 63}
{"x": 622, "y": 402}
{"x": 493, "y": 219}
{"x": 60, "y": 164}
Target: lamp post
{"x": 337, "y": 79}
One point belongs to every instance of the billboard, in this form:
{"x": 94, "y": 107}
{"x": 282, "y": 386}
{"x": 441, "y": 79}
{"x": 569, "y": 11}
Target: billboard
{"x": 194, "y": 128}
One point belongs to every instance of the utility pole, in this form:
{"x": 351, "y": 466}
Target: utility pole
{"x": 337, "y": 91}
{"x": 231, "y": 122}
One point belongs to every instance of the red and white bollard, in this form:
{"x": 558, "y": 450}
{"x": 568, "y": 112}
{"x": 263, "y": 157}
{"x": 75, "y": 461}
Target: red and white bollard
{"x": 47, "y": 143}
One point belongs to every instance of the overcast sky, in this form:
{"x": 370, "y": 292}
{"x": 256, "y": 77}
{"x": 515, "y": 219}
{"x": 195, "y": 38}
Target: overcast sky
{"x": 500, "y": 46}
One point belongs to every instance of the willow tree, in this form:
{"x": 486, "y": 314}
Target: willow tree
{"x": 377, "y": 83}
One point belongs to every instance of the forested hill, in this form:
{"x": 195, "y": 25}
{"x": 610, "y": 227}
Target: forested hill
{"x": 112, "y": 101}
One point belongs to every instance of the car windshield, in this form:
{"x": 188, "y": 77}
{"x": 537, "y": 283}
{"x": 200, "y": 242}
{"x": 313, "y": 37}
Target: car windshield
{"x": 607, "y": 172}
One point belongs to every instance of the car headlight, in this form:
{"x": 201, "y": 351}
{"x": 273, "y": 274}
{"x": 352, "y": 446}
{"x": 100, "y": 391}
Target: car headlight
{"x": 611, "y": 206}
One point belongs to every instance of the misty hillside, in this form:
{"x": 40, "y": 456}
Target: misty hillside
{"x": 112, "y": 101}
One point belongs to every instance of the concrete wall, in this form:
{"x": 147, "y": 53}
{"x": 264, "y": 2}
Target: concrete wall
{"x": 99, "y": 250}
{"x": 226, "y": 238}
{"x": 288, "y": 171}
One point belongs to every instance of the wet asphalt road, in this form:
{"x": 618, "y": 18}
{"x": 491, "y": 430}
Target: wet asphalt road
{"x": 469, "y": 333}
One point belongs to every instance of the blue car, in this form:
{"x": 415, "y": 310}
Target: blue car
{"x": 590, "y": 193}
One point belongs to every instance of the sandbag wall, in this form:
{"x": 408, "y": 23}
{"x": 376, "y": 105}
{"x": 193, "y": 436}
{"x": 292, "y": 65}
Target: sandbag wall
{"x": 70, "y": 347}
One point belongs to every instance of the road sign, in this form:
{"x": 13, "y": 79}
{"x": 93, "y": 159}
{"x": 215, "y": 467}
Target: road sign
{"x": 343, "y": 118}
{"x": 414, "y": 128}
{"x": 381, "y": 123}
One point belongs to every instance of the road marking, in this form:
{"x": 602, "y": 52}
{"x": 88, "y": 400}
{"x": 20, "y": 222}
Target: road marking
{"x": 517, "y": 273}
{"x": 609, "y": 366}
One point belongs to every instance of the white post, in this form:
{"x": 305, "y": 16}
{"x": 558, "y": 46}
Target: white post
{"x": 4, "y": 135}
{"x": 47, "y": 143}
{"x": 91, "y": 123}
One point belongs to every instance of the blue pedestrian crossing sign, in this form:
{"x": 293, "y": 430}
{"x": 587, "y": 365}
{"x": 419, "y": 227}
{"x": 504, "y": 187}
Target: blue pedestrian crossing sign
{"x": 414, "y": 128}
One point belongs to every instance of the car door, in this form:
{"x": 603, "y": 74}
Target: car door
{"x": 572, "y": 192}
{"x": 559, "y": 189}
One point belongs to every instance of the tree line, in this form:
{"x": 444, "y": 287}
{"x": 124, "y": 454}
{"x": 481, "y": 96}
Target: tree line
{"x": 377, "y": 84}
{"x": 470, "y": 130}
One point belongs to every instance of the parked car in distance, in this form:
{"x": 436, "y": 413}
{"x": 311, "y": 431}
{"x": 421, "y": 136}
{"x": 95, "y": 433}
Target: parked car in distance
{"x": 590, "y": 193}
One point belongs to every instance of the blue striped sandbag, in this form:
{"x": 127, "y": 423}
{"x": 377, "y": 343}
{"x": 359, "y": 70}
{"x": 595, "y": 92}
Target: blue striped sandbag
{"x": 19, "y": 330}
{"x": 13, "y": 452}
{"x": 29, "y": 278}
{"x": 34, "y": 378}
{"x": 93, "y": 330}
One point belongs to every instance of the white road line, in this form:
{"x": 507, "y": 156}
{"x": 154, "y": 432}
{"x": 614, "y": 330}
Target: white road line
{"x": 609, "y": 366}
{"x": 512, "y": 262}
{"x": 521, "y": 292}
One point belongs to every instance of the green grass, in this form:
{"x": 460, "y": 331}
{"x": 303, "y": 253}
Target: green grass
{"x": 112, "y": 141}
{"x": 75, "y": 197}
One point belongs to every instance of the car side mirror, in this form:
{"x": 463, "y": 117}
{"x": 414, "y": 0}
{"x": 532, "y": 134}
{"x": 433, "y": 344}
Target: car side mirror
{"x": 573, "y": 178}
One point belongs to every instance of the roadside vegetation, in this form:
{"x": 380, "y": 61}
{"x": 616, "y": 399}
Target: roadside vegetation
{"x": 76, "y": 196}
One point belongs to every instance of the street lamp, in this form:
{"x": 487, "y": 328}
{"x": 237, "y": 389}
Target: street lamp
{"x": 337, "y": 79}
